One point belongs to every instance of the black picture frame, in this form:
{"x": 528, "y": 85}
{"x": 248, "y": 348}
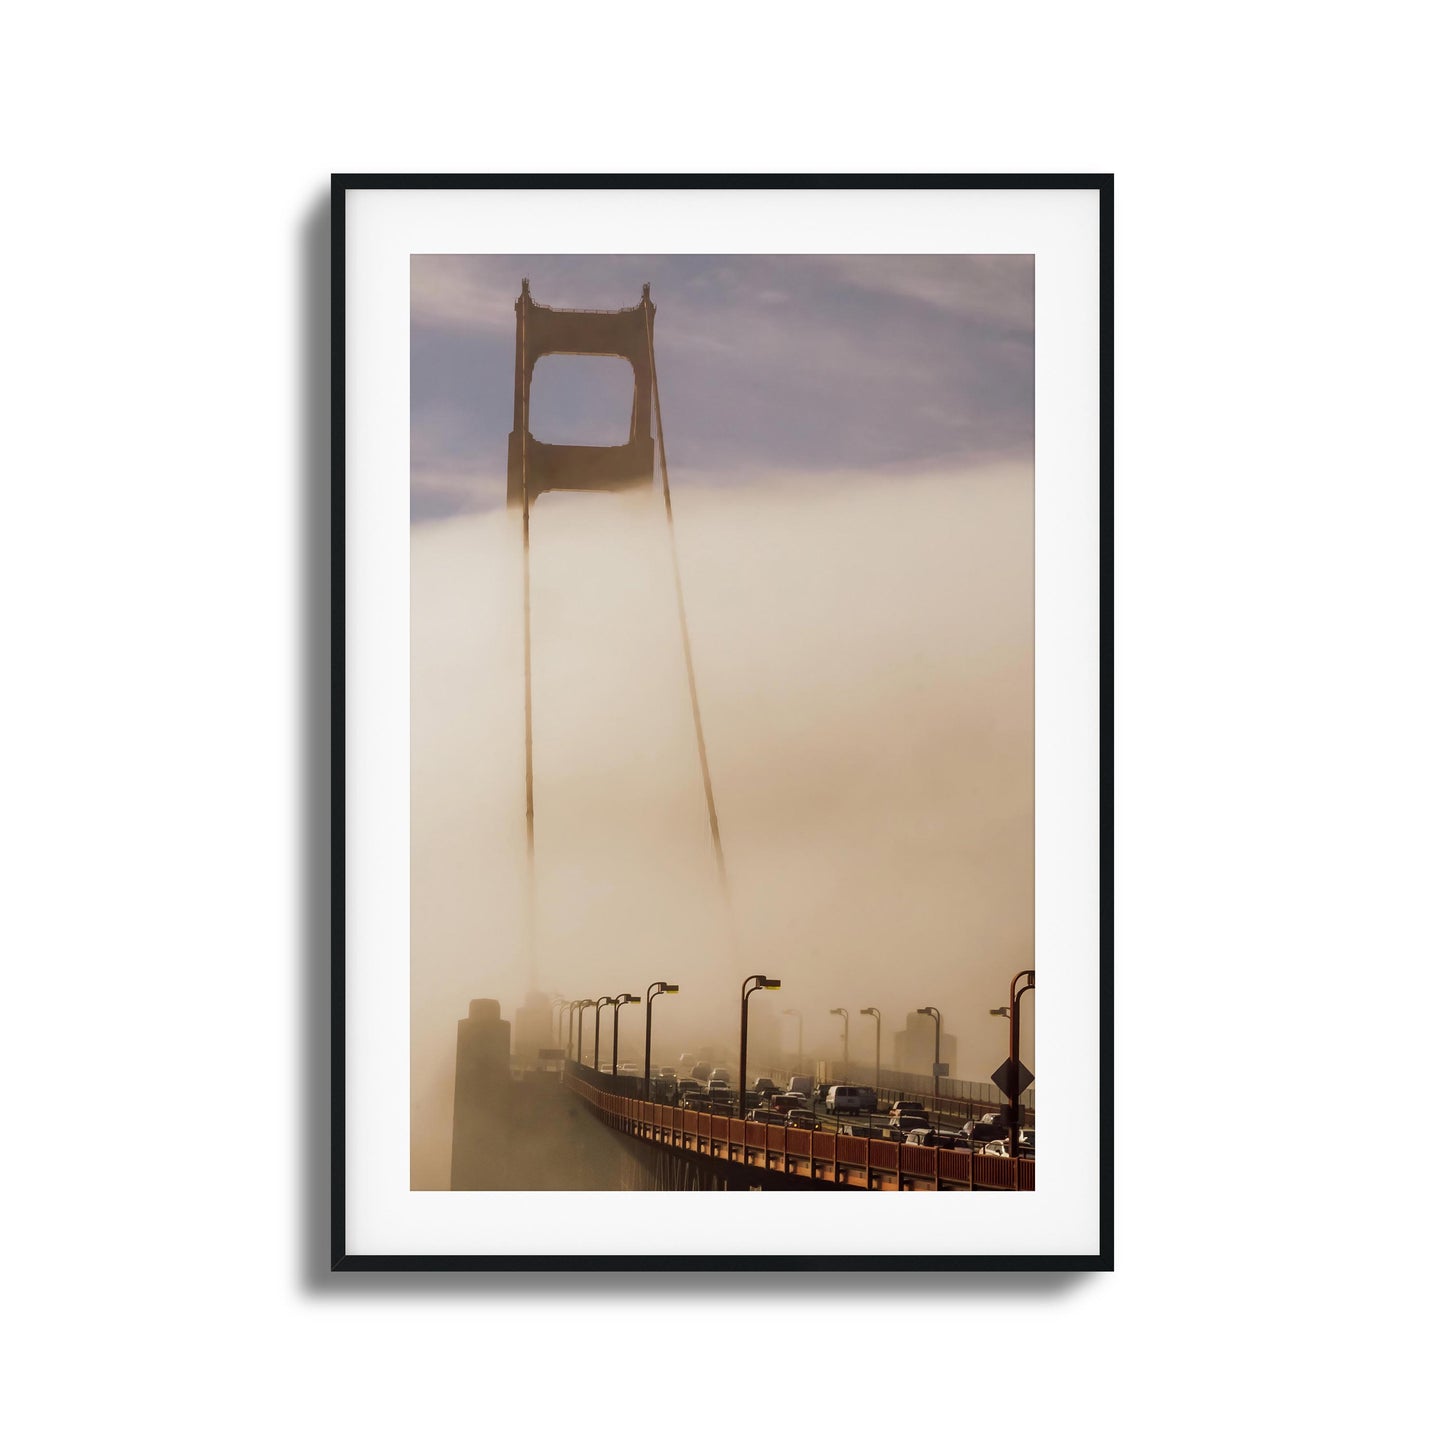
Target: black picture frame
{"x": 341, "y": 1258}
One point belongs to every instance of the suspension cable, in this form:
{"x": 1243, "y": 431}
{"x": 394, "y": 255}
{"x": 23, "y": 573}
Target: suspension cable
{"x": 527, "y": 652}
{"x": 717, "y": 846}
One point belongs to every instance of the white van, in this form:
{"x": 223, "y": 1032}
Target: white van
{"x": 851, "y": 1099}
{"x": 801, "y": 1084}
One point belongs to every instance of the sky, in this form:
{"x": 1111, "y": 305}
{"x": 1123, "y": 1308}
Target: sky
{"x": 766, "y": 365}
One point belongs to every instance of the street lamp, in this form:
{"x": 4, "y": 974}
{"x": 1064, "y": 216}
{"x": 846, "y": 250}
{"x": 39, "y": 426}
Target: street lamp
{"x": 750, "y": 986}
{"x": 559, "y": 1003}
{"x": 601, "y": 1003}
{"x": 799, "y": 1018}
{"x": 844, "y": 1013}
{"x": 583, "y": 1004}
{"x": 617, "y": 1003}
{"x": 1016, "y": 1094}
{"x": 877, "y": 1044}
{"x": 653, "y": 989}
{"x": 937, "y": 1033}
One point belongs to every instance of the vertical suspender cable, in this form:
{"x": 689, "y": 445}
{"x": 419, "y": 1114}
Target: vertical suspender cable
{"x": 717, "y": 846}
{"x": 531, "y": 923}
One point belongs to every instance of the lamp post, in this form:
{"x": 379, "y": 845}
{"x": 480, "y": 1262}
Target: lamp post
{"x": 750, "y": 986}
{"x": 844, "y": 1013}
{"x": 937, "y": 1036}
{"x": 653, "y": 989}
{"x": 559, "y": 1003}
{"x": 583, "y": 1004}
{"x": 877, "y": 1045}
{"x": 601, "y": 1003}
{"x": 1016, "y": 1094}
{"x": 617, "y": 1003}
{"x": 799, "y": 1018}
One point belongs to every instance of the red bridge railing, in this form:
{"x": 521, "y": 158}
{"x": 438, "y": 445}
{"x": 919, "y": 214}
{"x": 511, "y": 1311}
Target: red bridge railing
{"x": 859, "y": 1161}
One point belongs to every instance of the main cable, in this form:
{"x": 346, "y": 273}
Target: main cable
{"x": 527, "y": 653}
{"x": 717, "y": 846}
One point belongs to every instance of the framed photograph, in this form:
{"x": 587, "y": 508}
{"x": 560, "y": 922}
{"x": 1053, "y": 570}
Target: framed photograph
{"x": 721, "y": 723}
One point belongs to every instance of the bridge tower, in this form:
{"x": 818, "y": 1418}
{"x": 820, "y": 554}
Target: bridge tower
{"x": 534, "y": 467}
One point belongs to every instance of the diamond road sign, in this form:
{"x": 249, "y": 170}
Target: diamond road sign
{"x": 1003, "y": 1077}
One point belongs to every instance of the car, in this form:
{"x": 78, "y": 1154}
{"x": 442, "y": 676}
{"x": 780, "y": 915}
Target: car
{"x": 802, "y": 1119}
{"x": 764, "y": 1085}
{"x": 783, "y": 1102}
{"x": 862, "y": 1131}
{"x": 915, "y": 1114}
{"x": 935, "y": 1139}
{"x": 630, "y": 1069}
{"x": 801, "y": 1084}
{"x": 666, "y": 1073}
{"x": 700, "y": 1071}
{"x": 851, "y": 1099}
{"x": 987, "y": 1130}
{"x": 767, "y": 1116}
{"x": 996, "y": 1146}
{"x": 719, "y": 1076}
{"x": 1026, "y": 1143}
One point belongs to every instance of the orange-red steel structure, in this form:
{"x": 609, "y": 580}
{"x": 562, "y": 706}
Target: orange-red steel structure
{"x": 861, "y": 1162}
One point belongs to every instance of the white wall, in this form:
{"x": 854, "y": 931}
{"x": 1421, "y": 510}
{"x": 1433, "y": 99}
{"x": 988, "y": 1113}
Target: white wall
{"x": 1280, "y": 714}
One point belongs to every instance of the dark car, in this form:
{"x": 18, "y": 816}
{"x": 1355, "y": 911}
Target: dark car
{"x": 987, "y": 1130}
{"x": 767, "y": 1116}
{"x": 915, "y": 1114}
{"x": 935, "y": 1139}
{"x": 907, "y": 1122}
{"x": 802, "y": 1119}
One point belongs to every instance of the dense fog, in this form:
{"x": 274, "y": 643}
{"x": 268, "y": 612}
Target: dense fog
{"x": 864, "y": 658}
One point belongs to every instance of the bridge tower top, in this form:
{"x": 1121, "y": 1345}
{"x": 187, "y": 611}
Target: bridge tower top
{"x": 546, "y": 331}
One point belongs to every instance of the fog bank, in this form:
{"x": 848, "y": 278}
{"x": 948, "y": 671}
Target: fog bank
{"x": 865, "y": 668}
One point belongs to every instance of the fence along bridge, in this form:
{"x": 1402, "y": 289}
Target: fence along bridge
{"x": 755, "y": 1155}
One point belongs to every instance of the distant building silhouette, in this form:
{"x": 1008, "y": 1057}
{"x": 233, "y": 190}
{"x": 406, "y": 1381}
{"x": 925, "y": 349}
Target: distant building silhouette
{"x": 913, "y": 1047}
{"x": 533, "y": 1029}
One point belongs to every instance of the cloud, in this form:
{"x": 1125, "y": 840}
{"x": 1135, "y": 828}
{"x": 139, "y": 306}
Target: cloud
{"x": 445, "y": 491}
{"x": 456, "y": 294}
{"x": 995, "y": 290}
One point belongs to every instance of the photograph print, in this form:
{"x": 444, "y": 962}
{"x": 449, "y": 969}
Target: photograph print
{"x": 722, "y": 723}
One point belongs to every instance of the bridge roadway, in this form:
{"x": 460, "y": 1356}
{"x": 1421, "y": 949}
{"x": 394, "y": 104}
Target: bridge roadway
{"x": 804, "y": 1155}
